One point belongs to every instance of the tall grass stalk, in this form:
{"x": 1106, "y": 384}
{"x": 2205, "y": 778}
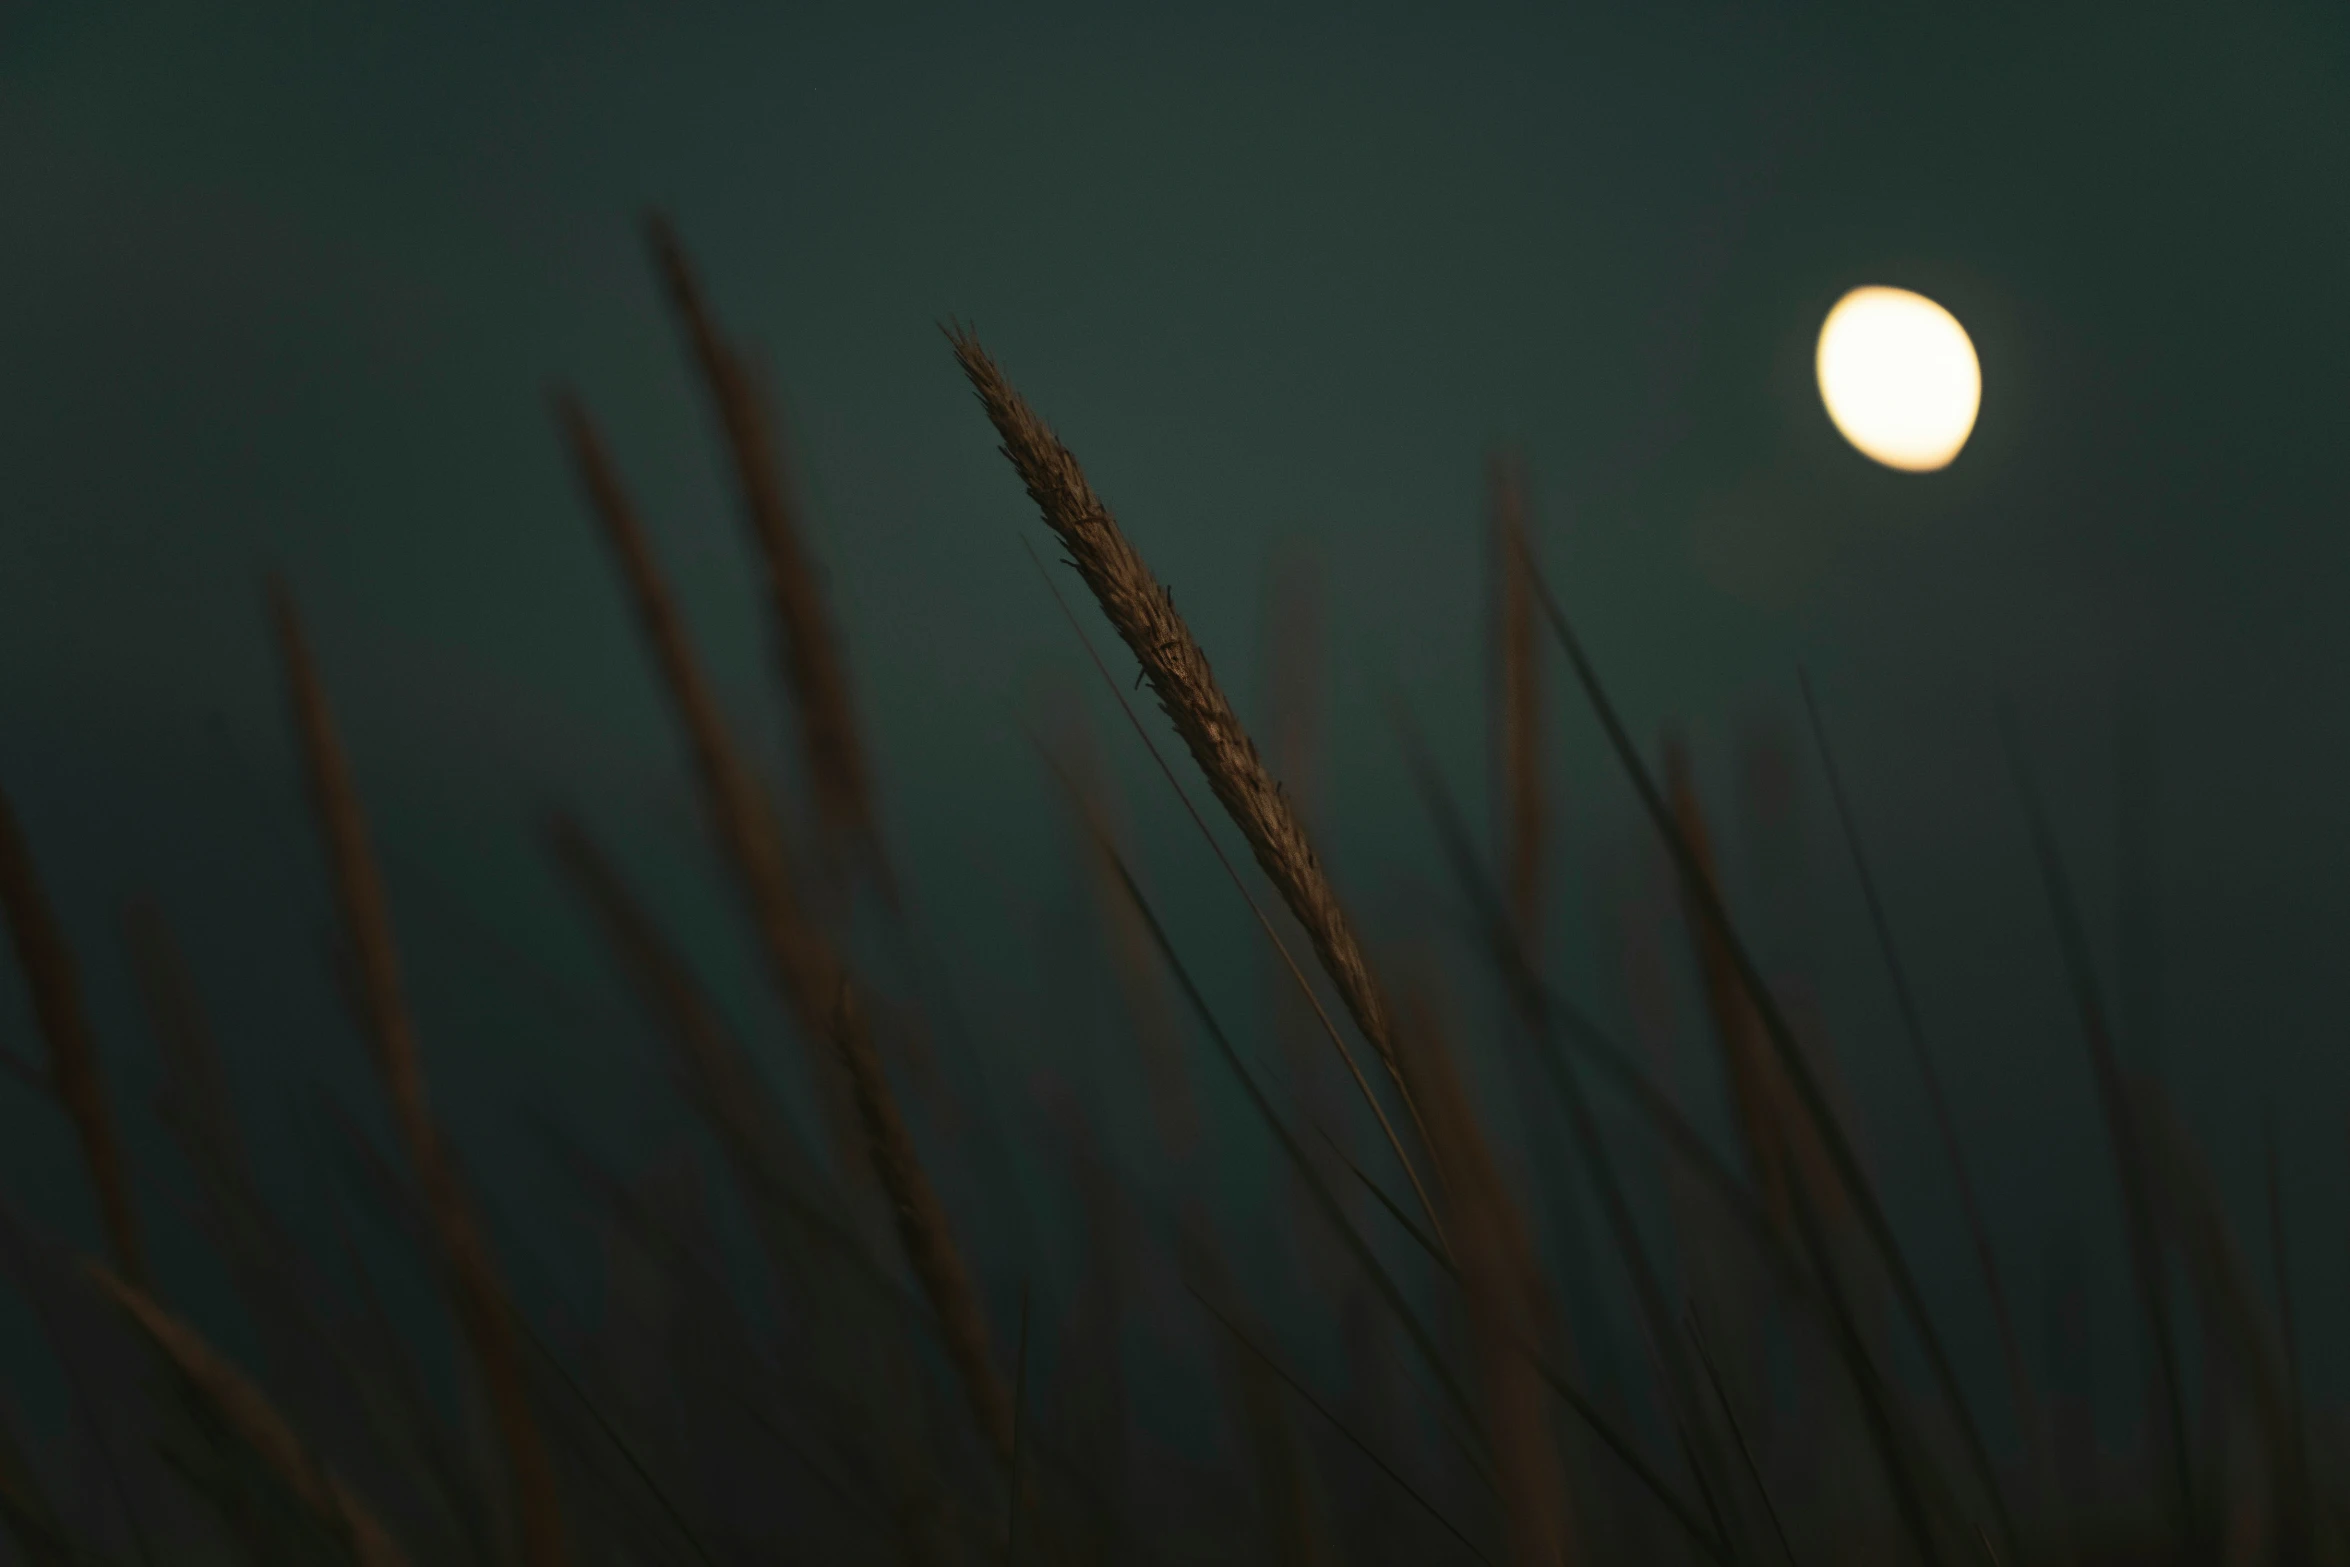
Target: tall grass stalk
{"x": 254, "y": 1419}
{"x": 1143, "y": 613}
{"x": 1809, "y": 1096}
{"x": 475, "y": 1292}
{"x": 74, "y": 1076}
{"x": 809, "y": 648}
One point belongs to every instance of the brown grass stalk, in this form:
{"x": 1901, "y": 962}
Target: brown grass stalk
{"x": 2031, "y": 1416}
{"x": 73, "y": 1076}
{"x": 717, "y": 1074}
{"x": 1520, "y": 697}
{"x": 814, "y": 982}
{"x": 922, "y": 1226}
{"x": 1808, "y": 1095}
{"x": 1291, "y": 686}
{"x": 1143, "y": 612}
{"x": 1293, "y": 678}
{"x": 1517, "y": 729}
{"x": 2230, "y": 1307}
{"x": 2125, "y": 1143}
{"x": 476, "y": 1295}
{"x": 1779, "y": 1143}
{"x": 798, "y": 963}
{"x": 257, "y": 1422}
{"x": 823, "y": 1269}
{"x": 1149, "y": 1009}
{"x": 1305, "y": 988}
{"x": 1493, "y": 1255}
{"x": 1281, "y": 1481}
{"x": 196, "y": 1101}
{"x": 807, "y": 644}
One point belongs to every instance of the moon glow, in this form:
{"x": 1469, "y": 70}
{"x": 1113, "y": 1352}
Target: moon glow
{"x": 1899, "y": 377}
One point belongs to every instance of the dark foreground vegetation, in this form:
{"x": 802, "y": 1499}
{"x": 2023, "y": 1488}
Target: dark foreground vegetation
{"x": 1429, "y": 1380}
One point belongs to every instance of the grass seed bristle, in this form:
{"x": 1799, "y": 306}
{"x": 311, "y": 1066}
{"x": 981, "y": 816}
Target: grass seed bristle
{"x": 1143, "y": 613}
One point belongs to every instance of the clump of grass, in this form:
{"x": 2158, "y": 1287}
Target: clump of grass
{"x": 721, "y": 1418}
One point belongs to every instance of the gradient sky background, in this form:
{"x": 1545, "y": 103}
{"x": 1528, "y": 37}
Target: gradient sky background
{"x": 288, "y": 291}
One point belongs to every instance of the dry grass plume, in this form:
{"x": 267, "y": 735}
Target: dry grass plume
{"x": 1143, "y": 612}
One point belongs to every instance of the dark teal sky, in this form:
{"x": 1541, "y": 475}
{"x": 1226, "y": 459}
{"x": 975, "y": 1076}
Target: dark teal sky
{"x": 289, "y": 290}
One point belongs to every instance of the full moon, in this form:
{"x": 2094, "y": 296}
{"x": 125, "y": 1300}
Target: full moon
{"x": 1899, "y": 377}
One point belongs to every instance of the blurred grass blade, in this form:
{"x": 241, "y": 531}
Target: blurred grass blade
{"x": 1678, "y": 1390}
{"x": 620, "y": 1444}
{"x": 807, "y": 642}
{"x": 1332, "y": 1210}
{"x": 1738, "y": 1434}
{"x": 797, "y": 963}
{"x": 257, "y": 1422}
{"x": 74, "y": 1075}
{"x": 2030, "y": 1418}
{"x": 1791, "y": 1060}
{"x": 1340, "y": 1426}
{"x": 1019, "y": 1441}
{"x": 1875, "y": 1397}
{"x": 1297, "y": 975}
{"x": 28, "y": 1514}
{"x": 476, "y": 1293}
{"x": 2124, "y": 1141}
{"x": 1497, "y": 1290}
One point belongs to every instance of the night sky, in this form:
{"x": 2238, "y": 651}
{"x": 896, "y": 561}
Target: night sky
{"x": 289, "y": 291}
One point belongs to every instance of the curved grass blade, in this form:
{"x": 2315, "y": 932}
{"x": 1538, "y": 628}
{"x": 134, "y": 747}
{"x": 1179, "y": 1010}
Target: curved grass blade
{"x": 1573, "y": 1397}
{"x": 1019, "y": 1440}
{"x": 256, "y": 1422}
{"x": 73, "y": 1078}
{"x": 1876, "y": 1403}
{"x": 1738, "y": 1434}
{"x": 620, "y": 1444}
{"x": 2028, "y": 1414}
{"x": 1679, "y": 1390}
{"x": 476, "y": 1294}
{"x": 2123, "y": 1135}
{"x": 808, "y": 644}
{"x": 30, "y": 1517}
{"x": 1327, "y": 1201}
{"x": 1338, "y": 1425}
